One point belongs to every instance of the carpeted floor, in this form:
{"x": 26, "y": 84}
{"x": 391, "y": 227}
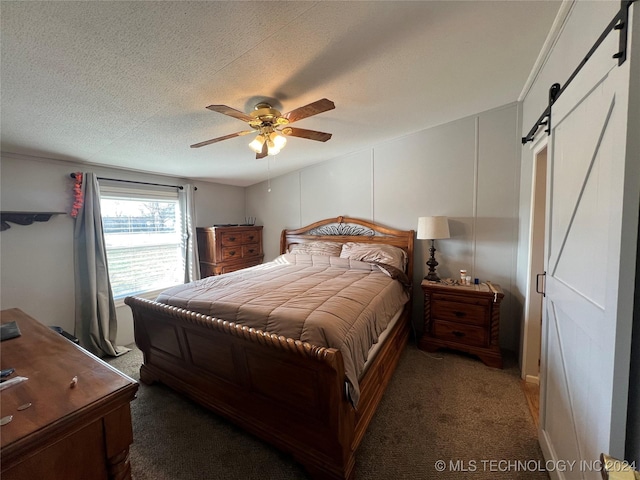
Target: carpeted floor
{"x": 439, "y": 407}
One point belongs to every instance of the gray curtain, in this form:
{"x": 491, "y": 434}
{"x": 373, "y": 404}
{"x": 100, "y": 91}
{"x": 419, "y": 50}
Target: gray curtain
{"x": 189, "y": 243}
{"x": 95, "y": 316}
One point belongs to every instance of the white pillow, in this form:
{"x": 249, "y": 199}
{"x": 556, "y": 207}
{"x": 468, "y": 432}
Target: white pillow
{"x": 331, "y": 249}
{"x": 375, "y": 252}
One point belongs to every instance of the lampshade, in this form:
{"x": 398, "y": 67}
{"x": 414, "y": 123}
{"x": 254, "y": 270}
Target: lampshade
{"x": 256, "y": 144}
{"x": 430, "y": 228}
{"x": 275, "y": 142}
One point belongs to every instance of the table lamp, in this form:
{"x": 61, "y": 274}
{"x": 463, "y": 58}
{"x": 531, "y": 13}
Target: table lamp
{"x": 432, "y": 228}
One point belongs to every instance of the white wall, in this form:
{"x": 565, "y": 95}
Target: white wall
{"x": 467, "y": 170}
{"x": 36, "y": 273}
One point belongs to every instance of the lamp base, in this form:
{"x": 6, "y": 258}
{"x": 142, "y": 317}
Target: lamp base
{"x": 432, "y": 264}
{"x": 432, "y": 277}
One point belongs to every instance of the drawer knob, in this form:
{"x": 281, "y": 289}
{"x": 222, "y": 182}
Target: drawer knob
{"x": 458, "y": 334}
{"x": 232, "y": 253}
{"x": 459, "y": 314}
{"x": 250, "y": 237}
{"x": 251, "y": 250}
{"x": 232, "y": 239}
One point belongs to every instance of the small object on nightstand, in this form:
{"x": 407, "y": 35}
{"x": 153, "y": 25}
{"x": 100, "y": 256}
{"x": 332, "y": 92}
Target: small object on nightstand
{"x": 464, "y": 318}
{"x": 463, "y": 277}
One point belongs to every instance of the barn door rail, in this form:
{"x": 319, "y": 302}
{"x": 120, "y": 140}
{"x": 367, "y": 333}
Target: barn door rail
{"x": 620, "y": 22}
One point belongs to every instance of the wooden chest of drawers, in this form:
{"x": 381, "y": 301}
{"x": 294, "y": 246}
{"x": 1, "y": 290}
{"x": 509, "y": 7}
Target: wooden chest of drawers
{"x": 226, "y": 249}
{"x": 60, "y": 431}
{"x": 465, "y": 318}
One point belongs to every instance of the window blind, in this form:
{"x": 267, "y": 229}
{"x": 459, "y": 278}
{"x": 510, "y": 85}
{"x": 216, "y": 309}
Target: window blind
{"x": 143, "y": 235}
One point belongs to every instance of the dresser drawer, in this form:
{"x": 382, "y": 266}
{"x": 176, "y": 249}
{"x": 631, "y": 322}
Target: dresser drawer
{"x": 229, "y": 253}
{"x": 250, "y": 250}
{"x": 231, "y": 238}
{"x": 250, "y": 237}
{"x": 459, "y": 333}
{"x": 232, "y": 267}
{"x": 460, "y": 312}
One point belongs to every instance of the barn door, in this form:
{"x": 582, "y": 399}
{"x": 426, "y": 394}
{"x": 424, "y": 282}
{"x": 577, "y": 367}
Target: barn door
{"x": 586, "y": 344}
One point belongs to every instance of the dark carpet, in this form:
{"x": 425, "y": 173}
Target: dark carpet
{"x": 443, "y": 416}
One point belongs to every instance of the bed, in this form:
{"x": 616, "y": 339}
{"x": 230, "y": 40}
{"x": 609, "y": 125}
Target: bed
{"x": 299, "y": 386}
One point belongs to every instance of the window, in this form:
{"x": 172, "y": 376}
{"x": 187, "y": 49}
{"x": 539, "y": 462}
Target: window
{"x": 143, "y": 236}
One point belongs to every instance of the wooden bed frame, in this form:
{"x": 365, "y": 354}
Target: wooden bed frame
{"x": 289, "y": 393}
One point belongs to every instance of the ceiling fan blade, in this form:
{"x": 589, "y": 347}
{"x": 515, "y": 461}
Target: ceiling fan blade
{"x": 309, "y": 110}
{"x": 263, "y": 153}
{"x": 304, "y": 133}
{"x": 232, "y": 112}
{"x": 219, "y": 139}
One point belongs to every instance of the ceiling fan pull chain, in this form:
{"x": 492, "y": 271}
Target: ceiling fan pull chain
{"x": 268, "y": 175}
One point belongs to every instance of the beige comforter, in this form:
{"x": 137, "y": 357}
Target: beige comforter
{"x": 326, "y": 301}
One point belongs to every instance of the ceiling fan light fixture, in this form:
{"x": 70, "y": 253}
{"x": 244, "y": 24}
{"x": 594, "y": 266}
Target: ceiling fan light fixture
{"x": 256, "y": 144}
{"x": 272, "y": 149}
{"x": 279, "y": 141}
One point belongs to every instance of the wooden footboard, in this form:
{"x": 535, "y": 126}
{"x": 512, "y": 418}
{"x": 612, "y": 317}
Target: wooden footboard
{"x": 287, "y": 392}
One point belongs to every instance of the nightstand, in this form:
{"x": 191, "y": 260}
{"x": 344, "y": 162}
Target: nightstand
{"x": 464, "y": 318}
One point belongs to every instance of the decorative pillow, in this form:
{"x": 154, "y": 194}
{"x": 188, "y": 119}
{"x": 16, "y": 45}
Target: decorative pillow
{"x": 331, "y": 249}
{"x": 375, "y": 252}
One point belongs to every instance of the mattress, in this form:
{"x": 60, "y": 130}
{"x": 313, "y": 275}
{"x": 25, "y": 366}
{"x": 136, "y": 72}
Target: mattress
{"x": 325, "y": 301}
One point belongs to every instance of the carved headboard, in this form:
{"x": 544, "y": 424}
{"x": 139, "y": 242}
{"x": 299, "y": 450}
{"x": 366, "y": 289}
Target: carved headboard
{"x": 345, "y": 229}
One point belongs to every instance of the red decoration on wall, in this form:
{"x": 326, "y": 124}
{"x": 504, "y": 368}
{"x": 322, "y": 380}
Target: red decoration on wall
{"x": 78, "y": 198}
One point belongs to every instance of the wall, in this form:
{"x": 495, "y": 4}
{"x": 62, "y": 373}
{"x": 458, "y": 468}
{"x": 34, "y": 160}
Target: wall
{"x": 467, "y": 170}
{"x": 37, "y": 260}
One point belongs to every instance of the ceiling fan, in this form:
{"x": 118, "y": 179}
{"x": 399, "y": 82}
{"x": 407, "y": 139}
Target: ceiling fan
{"x": 272, "y": 126}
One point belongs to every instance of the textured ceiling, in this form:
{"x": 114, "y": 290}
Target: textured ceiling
{"x": 126, "y": 84}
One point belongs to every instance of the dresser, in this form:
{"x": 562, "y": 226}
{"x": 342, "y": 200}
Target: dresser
{"x": 464, "y": 318}
{"x": 62, "y": 430}
{"x": 227, "y": 249}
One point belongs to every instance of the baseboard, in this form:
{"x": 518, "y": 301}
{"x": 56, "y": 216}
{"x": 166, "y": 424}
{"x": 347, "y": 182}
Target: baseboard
{"x": 532, "y": 379}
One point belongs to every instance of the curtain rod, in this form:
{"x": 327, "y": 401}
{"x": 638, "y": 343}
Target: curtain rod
{"x": 73, "y": 175}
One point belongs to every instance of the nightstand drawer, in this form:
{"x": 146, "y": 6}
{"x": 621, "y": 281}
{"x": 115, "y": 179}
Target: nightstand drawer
{"x": 458, "y": 333}
{"x": 460, "y": 312}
